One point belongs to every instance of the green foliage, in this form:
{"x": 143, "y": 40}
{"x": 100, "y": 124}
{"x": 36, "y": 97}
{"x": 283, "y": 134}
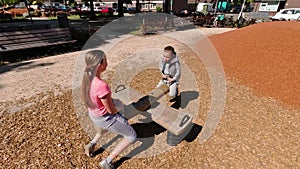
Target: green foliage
{"x": 158, "y": 9}
{"x": 74, "y": 17}
{"x": 240, "y": 2}
{"x": 9, "y": 2}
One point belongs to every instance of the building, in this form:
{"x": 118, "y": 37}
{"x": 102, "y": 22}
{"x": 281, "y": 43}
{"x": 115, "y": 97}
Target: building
{"x": 152, "y": 5}
{"x": 273, "y": 6}
{"x": 292, "y": 4}
{"x": 270, "y": 6}
{"x": 148, "y": 5}
{"x": 145, "y": 5}
{"x": 180, "y": 5}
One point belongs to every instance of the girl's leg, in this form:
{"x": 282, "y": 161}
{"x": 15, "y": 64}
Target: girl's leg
{"x": 122, "y": 127}
{"x": 98, "y": 136}
{"x": 89, "y": 148}
{"x": 119, "y": 149}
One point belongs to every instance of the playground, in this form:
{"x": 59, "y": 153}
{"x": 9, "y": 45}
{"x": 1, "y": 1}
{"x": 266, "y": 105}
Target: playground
{"x": 259, "y": 127}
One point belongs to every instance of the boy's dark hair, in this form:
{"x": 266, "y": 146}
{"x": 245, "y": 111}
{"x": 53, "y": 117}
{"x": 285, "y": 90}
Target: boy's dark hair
{"x": 170, "y": 48}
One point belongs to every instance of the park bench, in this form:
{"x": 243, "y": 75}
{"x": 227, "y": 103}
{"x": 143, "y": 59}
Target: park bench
{"x": 27, "y": 39}
{"x": 5, "y": 17}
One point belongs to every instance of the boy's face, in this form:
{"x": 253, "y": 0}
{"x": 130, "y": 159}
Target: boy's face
{"x": 168, "y": 55}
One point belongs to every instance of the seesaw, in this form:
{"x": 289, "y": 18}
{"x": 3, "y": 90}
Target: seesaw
{"x": 175, "y": 121}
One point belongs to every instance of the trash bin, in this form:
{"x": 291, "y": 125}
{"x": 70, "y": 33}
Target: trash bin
{"x": 63, "y": 20}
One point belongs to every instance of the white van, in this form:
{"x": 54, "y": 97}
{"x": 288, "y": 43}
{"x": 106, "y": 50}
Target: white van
{"x": 288, "y": 14}
{"x": 205, "y": 7}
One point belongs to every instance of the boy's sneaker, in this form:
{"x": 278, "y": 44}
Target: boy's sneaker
{"x": 173, "y": 99}
{"x": 105, "y": 165}
{"x": 89, "y": 149}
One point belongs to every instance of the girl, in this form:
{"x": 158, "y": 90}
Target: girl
{"x": 96, "y": 95}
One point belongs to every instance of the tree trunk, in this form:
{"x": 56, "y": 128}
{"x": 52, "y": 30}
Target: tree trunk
{"x": 137, "y": 9}
{"x": 120, "y": 8}
{"x": 166, "y": 6}
{"x": 26, "y": 4}
{"x": 92, "y": 11}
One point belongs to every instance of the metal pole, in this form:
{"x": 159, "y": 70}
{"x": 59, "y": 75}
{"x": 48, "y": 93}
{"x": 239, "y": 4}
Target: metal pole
{"x": 242, "y": 8}
{"x": 215, "y": 11}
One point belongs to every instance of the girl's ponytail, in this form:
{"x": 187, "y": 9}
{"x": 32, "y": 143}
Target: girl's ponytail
{"x": 93, "y": 59}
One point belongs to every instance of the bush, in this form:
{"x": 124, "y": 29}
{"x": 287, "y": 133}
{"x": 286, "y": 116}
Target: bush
{"x": 158, "y": 9}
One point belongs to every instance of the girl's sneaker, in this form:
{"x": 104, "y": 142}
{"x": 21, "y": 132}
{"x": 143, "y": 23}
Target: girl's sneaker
{"x": 89, "y": 149}
{"x": 105, "y": 165}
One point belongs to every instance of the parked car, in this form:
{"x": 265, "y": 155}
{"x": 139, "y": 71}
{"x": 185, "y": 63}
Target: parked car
{"x": 205, "y": 7}
{"x": 287, "y": 14}
{"x": 107, "y": 10}
{"x": 124, "y": 9}
{"x": 248, "y": 9}
{"x": 98, "y": 9}
{"x": 85, "y": 8}
{"x": 237, "y": 9}
{"x": 131, "y": 10}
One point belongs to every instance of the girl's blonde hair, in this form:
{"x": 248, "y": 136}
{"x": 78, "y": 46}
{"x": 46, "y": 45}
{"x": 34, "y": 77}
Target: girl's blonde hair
{"x": 92, "y": 59}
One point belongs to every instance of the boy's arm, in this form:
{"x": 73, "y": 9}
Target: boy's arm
{"x": 161, "y": 67}
{"x": 178, "y": 72}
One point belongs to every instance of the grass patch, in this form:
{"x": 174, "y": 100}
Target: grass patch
{"x": 74, "y": 17}
{"x": 15, "y": 19}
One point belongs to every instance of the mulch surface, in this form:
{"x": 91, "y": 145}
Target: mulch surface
{"x": 259, "y": 127}
{"x": 264, "y": 57}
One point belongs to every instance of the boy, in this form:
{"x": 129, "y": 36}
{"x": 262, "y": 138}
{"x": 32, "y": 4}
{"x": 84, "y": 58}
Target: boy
{"x": 170, "y": 69}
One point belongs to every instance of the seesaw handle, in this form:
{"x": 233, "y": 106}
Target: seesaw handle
{"x": 120, "y": 88}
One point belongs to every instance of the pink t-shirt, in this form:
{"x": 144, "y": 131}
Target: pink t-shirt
{"x": 99, "y": 89}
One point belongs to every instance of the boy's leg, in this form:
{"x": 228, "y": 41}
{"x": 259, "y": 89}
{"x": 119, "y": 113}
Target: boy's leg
{"x": 161, "y": 82}
{"x": 173, "y": 90}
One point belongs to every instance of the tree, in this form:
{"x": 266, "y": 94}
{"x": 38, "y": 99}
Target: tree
{"x": 137, "y": 6}
{"x": 120, "y": 6}
{"x": 93, "y": 15}
{"x": 240, "y": 2}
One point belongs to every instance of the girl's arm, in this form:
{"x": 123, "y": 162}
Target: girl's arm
{"x": 108, "y": 103}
